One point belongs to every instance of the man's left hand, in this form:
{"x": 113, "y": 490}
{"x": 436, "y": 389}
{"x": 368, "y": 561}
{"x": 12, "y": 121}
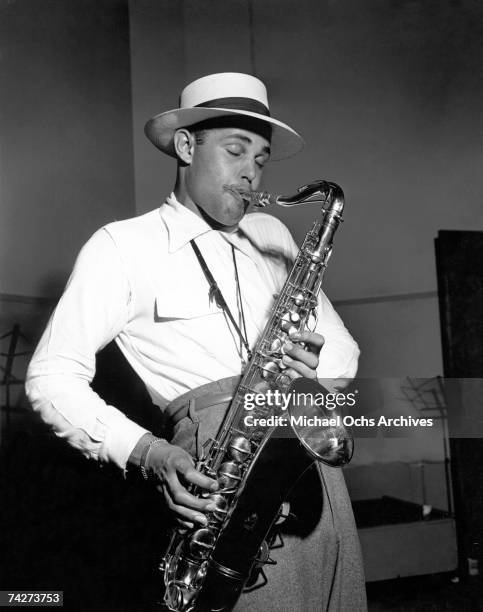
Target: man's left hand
{"x": 302, "y": 361}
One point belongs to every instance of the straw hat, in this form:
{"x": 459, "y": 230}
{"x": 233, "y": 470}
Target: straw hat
{"x": 221, "y": 95}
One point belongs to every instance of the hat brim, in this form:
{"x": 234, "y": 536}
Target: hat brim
{"x": 161, "y": 128}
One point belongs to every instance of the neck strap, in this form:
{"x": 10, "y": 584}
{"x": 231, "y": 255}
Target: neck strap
{"x": 216, "y": 294}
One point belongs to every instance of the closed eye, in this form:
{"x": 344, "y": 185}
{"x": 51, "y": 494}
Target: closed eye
{"x": 261, "y": 161}
{"x": 235, "y": 150}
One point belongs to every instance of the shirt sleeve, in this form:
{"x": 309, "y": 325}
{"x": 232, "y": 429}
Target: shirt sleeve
{"x": 92, "y": 311}
{"x": 340, "y": 354}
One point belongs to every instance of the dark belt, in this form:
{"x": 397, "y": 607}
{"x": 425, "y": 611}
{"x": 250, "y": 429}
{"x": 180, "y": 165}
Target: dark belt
{"x": 206, "y": 396}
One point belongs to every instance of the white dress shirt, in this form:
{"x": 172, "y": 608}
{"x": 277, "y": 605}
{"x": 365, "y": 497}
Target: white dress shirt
{"x": 138, "y": 281}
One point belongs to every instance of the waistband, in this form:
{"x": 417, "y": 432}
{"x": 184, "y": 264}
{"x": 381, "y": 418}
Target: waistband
{"x": 211, "y": 394}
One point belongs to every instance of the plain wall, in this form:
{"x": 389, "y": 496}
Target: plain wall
{"x": 66, "y": 157}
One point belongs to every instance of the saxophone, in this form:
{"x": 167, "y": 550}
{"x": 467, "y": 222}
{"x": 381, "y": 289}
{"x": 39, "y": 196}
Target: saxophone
{"x": 207, "y": 568}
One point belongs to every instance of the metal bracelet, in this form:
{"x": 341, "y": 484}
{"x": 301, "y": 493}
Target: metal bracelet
{"x": 144, "y": 456}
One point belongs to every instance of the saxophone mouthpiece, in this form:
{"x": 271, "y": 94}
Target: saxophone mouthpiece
{"x": 257, "y": 198}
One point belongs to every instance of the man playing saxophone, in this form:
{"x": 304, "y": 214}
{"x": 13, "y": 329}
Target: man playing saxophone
{"x": 143, "y": 283}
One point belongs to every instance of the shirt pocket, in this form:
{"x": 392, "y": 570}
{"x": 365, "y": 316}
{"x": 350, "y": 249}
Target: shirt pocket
{"x": 187, "y": 303}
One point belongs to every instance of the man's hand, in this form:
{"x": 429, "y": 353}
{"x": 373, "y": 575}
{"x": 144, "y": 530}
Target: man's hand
{"x": 302, "y": 361}
{"x": 174, "y": 470}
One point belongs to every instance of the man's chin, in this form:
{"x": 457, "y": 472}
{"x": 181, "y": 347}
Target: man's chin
{"x": 226, "y": 222}
{"x": 230, "y": 224}
{"x": 233, "y": 212}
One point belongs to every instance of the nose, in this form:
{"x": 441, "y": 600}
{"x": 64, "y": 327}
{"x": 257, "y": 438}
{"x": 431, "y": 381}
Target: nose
{"x": 249, "y": 170}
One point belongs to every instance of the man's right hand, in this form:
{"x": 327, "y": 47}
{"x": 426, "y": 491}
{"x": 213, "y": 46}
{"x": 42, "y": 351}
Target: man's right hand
{"x": 174, "y": 470}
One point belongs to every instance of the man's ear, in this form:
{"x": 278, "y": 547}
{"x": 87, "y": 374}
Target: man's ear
{"x": 184, "y": 142}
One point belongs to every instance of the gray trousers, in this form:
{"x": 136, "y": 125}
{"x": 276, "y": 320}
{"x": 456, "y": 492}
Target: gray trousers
{"x": 319, "y": 568}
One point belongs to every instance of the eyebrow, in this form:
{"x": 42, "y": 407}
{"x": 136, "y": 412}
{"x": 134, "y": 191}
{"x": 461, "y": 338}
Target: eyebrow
{"x": 247, "y": 139}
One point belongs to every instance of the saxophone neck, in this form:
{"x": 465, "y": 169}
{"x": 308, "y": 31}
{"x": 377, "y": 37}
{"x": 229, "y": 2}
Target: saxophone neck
{"x": 326, "y": 192}
{"x": 329, "y": 194}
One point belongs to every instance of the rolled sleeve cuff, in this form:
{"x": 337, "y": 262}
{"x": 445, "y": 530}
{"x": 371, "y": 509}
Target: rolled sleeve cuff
{"x": 120, "y": 440}
{"x": 340, "y": 360}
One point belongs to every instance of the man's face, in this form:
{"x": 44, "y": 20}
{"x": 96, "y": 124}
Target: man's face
{"x": 225, "y": 156}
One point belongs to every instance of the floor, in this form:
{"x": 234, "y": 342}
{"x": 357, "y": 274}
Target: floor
{"x": 436, "y": 593}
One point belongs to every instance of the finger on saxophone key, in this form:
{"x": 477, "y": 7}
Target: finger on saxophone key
{"x": 200, "y": 518}
{"x": 197, "y": 478}
{"x": 184, "y": 526}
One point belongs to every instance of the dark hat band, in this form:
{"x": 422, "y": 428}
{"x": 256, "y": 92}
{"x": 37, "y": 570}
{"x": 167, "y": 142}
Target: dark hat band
{"x": 244, "y": 104}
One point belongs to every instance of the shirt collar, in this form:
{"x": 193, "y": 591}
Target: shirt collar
{"x": 182, "y": 224}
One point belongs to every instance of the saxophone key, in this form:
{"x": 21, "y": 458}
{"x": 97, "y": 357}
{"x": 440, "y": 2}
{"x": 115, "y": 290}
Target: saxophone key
{"x": 240, "y": 448}
{"x": 283, "y": 381}
{"x": 202, "y": 542}
{"x": 221, "y": 506}
{"x": 270, "y": 368}
{"x": 289, "y": 318}
{"x": 229, "y": 474}
{"x": 276, "y": 345}
{"x": 286, "y": 322}
{"x": 283, "y": 513}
